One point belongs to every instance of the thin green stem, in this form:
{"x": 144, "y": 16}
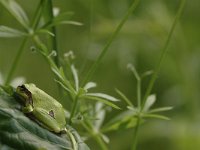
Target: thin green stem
{"x": 135, "y": 137}
{"x": 37, "y": 15}
{"x": 74, "y": 107}
{"x": 138, "y": 78}
{"x": 97, "y": 138}
{"x": 100, "y": 142}
{"x": 16, "y": 61}
{"x": 53, "y": 40}
{"x": 164, "y": 51}
{"x": 139, "y": 94}
{"x": 111, "y": 39}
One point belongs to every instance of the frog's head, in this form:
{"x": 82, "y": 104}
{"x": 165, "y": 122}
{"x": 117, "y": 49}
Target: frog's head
{"x": 24, "y": 92}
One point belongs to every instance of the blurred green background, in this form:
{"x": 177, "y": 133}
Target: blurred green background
{"x": 139, "y": 42}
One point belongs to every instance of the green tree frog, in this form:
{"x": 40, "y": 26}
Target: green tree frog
{"x": 44, "y": 108}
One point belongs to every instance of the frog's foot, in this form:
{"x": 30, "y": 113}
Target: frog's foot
{"x": 27, "y": 109}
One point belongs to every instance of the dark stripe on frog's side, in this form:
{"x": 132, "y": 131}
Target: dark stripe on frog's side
{"x": 28, "y": 93}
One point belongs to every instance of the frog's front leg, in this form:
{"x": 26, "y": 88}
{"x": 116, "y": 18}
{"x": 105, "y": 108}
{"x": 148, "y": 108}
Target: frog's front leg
{"x": 27, "y": 109}
{"x": 47, "y": 119}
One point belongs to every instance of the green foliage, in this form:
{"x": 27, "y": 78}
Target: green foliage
{"x": 89, "y": 109}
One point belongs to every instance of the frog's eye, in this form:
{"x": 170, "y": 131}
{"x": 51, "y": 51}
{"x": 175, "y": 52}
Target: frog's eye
{"x": 22, "y": 88}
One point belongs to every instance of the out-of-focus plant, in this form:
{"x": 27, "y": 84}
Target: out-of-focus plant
{"x": 43, "y": 27}
{"x": 83, "y": 111}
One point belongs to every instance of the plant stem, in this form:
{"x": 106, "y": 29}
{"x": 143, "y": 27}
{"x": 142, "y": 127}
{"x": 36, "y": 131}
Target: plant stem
{"x": 73, "y": 109}
{"x": 135, "y": 138}
{"x": 16, "y": 61}
{"x": 113, "y": 36}
{"x": 98, "y": 139}
{"x": 164, "y": 51}
{"x": 53, "y": 40}
{"x": 139, "y": 94}
{"x": 100, "y": 142}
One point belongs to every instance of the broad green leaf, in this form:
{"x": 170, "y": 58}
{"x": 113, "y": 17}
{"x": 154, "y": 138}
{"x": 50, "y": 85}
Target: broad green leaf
{"x": 80, "y": 143}
{"x": 160, "y": 109}
{"x": 19, "y": 132}
{"x": 124, "y": 120}
{"x": 156, "y": 116}
{"x": 100, "y": 100}
{"x": 16, "y": 11}
{"x": 7, "y": 32}
{"x": 104, "y": 96}
{"x": 124, "y": 97}
{"x": 149, "y": 102}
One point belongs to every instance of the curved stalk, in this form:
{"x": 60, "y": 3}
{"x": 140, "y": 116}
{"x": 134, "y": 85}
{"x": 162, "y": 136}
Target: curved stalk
{"x": 73, "y": 109}
{"x": 135, "y": 138}
{"x": 164, "y": 51}
{"x": 111, "y": 39}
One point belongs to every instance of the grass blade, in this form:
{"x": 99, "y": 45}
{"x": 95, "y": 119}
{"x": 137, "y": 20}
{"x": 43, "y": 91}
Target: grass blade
{"x": 7, "y": 32}
{"x": 101, "y": 100}
{"x": 104, "y": 96}
{"x": 16, "y": 11}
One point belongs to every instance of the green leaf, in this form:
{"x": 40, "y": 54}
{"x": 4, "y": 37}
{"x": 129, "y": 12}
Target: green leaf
{"x": 101, "y": 100}
{"x": 75, "y": 76}
{"x": 19, "y": 132}
{"x": 16, "y": 11}
{"x": 45, "y": 31}
{"x": 104, "y": 96}
{"x": 160, "y": 109}
{"x": 62, "y": 18}
{"x": 156, "y": 116}
{"x": 149, "y": 102}
{"x": 124, "y": 120}
{"x": 124, "y": 97}
{"x": 90, "y": 85}
{"x": 7, "y": 32}
{"x": 65, "y": 22}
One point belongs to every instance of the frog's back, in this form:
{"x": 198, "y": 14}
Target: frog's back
{"x": 45, "y": 101}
